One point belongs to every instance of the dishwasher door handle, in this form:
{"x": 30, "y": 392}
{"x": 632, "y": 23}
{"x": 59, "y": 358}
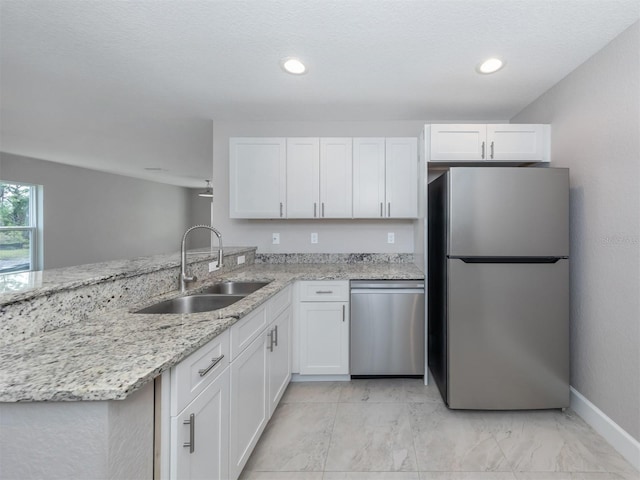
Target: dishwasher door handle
{"x": 356, "y": 291}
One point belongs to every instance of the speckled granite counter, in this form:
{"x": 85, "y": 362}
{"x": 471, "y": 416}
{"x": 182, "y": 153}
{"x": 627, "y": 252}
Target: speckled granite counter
{"x": 110, "y": 355}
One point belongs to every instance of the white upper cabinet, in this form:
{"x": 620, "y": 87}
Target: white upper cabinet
{"x": 524, "y": 142}
{"x": 257, "y": 174}
{"x": 319, "y": 178}
{"x": 368, "y": 177}
{"x": 385, "y": 178}
{"x": 458, "y": 143}
{"x": 303, "y": 177}
{"x": 401, "y": 179}
{"x": 336, "y": 197}
{"x": 489, "y": 143}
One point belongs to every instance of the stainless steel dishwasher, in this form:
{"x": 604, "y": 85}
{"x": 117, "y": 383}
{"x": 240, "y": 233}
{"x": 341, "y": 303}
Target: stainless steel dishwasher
{"x": 387, "y": 328}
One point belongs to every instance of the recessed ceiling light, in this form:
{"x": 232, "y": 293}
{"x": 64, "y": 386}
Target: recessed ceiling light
{"x": 490, "y": 65}
{"x": 293, "y": 65}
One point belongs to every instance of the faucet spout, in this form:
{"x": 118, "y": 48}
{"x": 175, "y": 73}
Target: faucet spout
{"x": 184, "y": 278}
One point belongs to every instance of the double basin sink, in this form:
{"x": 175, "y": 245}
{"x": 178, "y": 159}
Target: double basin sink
{"x": 214, "y": 297}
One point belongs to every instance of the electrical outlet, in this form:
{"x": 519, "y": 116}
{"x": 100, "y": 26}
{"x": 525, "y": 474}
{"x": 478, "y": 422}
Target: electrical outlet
{"x": 275, "y": 238}
{"x": 391, "y": 237}
{"x": 240, "y": 259}
{"x": 314, "y": 238}
{"x": 213, "y": 266}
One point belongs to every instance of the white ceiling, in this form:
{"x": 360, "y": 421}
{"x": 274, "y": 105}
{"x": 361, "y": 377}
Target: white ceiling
{"x": 124, "y": 85}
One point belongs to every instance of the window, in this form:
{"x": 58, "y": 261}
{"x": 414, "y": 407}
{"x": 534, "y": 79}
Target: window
{"x": 18, "y": 227}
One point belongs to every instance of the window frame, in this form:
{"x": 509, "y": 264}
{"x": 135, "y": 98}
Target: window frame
{"x": 33, "y": 227}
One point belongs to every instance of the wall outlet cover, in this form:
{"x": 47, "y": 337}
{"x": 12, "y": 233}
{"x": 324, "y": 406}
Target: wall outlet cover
{"x": 275, "y": 238}
{"x": 391, "y": 237}
{"x": 240, "y": 259}
{"x": 213, "y": 266}
{"x": 314, "y": 238}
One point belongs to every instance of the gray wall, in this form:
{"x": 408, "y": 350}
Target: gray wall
{"x": 334, "y": 236}
{"x": 594, "y": 117}
{"x": 92, "y": 216}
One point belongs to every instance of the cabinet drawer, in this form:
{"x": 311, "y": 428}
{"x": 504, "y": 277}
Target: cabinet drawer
{"x": 247, "y": 329}
{"x": 193, "y": 374}
{"x": 279, "y": 303}
{"x": 336, "y": 291}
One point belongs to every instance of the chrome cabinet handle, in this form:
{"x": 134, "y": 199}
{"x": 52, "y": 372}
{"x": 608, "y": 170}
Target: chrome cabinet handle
{"x": 315, "y": 209}
{"x": 381, "y": 211}
{"x": 482, "y": 151}
{"x": 322, "y": 209}
{"x": 389, "y": 209}
{"x": 491, "y": 150}
{"x": 344, "y": 312}
{"x": 270, "y": 340}
{"x": 280, "y": 209}
{"x": 320, "y": 292}
{"x": 275, "y": 335}
{"x": 214, "y": 362}
{"x": 192, "y": 433}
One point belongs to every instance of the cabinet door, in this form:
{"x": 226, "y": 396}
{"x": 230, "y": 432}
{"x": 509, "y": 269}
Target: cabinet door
{"x": 249, "y": 403}
{"x": 368, "y": 177}
{"x": 513, "y": 142}
{"x": 458, "y": 142}
{"x": 279, "y": 357}
{"x": 336, "y": 197}
{"x": 204, "y": 427}
{"x": 257, "y": 177}
{"x": 324, "y": 338}
{"x": 401, "y": 179}
{"x": 303, "y": 177}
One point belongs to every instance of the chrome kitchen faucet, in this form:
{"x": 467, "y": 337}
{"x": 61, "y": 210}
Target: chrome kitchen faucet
{"x": 184, "y": 278}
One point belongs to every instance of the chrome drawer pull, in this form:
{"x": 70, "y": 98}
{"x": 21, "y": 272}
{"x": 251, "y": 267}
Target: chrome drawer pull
{"x": 214, "y": 362}
{"x": 270, "y": 334}
{"x": 192, "y": 433}
{"x": 324, "y": 291}
{"x": 275, "y": 336}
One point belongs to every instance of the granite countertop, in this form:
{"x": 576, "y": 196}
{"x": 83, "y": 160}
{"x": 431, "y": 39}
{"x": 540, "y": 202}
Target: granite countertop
{"x": 111, "y": 355}
{"x": 20, "y": 286}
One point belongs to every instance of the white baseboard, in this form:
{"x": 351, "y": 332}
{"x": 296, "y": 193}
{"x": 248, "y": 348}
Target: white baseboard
{"x": 619, "y": 439}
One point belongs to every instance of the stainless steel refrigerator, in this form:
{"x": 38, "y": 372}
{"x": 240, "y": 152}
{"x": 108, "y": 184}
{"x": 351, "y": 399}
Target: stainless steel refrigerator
{"x": 498, "y": 291}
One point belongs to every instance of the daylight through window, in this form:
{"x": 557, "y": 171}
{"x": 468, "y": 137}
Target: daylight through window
{"x": 18, "y": 227}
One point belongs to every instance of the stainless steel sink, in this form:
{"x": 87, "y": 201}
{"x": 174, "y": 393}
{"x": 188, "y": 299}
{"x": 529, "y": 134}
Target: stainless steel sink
{"x": 233, "y": 288}
{"x": 193, "y": 304}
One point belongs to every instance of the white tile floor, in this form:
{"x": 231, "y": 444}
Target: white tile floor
{"x": 398, "y": 429}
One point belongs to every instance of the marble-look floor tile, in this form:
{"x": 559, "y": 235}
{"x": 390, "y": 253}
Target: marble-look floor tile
{"x": 371, "y": 476}
{"x": 384, "y": 390}
{"x": 372, "y": 437}
{"x": 312, "y": 392}
{"x": 467, "y": 476}
{"x": 453, "y": 441}
{"x": 296, "y": 438}
{"x": 567, "y": 476}
{"x": 554, "y": 441}
{"x": 250, "y": 475}
{"x": 417, "y": 392}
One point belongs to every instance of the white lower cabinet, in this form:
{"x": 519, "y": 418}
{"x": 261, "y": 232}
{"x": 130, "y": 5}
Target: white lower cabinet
{"x": 199, "y": 434}
{"x": 249, "y": 399}
{"x": 279, "y": 358}
{"x": 324, "y": 328}
{"x": 227, "y": 405}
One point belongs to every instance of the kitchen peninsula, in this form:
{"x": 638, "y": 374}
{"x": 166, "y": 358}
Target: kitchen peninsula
{"x": 77, "y": 364}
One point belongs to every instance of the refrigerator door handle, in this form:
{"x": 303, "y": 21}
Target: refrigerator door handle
{"x": 508, "y": 259}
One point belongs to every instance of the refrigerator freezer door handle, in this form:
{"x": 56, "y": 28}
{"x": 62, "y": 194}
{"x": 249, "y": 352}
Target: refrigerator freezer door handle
{"x": 509, "y": 259}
